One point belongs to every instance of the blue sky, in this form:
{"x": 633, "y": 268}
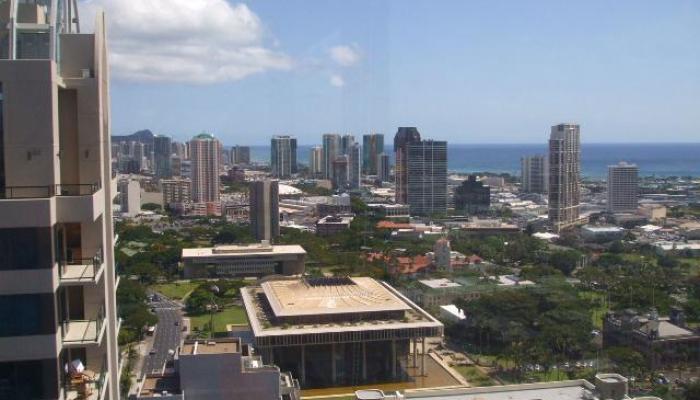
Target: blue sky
{"x": 463, "y": 71}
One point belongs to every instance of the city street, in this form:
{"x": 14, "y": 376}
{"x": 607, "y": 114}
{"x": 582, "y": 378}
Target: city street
{"x": 167, "y": 335}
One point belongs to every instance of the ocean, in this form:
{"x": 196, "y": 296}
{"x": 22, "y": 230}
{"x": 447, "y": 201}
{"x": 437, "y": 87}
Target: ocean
{"x": 657, "y": 159}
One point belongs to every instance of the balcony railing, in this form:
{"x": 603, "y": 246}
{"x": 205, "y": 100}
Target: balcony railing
{"x": 80, "y": 332}
{"x": 88, "y": 385}
{"x": 82, "y": 269}
{"x": 40, "y": 192}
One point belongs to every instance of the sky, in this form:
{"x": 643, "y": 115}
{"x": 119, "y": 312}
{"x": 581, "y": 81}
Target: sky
{"x": 472, "y": 71}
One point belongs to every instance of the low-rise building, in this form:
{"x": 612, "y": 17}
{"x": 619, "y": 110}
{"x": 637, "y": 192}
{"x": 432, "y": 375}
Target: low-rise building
{"x": 487, "y": 227}
{"x": 331, "y": 225}
{"x": 602, "y": 233}
{"x": 605, "y": 386}
{"x": 662, "y": 340}
{"x": 258, "y": 259}
{"x": 217, "y": 370}
{"x": 690, "y": 247}
{"x": 382, "y": 210}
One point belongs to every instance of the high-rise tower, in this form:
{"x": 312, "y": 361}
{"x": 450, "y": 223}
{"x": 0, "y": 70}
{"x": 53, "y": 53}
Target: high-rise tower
{"x": 404, "y": 136}
{"x": 204, "y": 153}
{"x": 564, "y": 175}
{"x": 331, "y": 150}
{"x": 57, "y": 276}
{"x": 372, "y": 147}
{"x": 623, "y": 187}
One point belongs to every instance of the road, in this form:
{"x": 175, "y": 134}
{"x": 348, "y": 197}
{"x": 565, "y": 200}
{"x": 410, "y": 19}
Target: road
{"x": 167, "y": 335}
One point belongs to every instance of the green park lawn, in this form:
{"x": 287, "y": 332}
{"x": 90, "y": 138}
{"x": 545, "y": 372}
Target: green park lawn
{"x": 598, "y": 313}
{"x": 176, "y": 290}
{"x": 231, "y": 315}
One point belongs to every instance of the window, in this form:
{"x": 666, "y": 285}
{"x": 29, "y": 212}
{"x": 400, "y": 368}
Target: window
{"x": 25, "y": 248}
{"x": 2, "y": 139}
{"x": 24, "y": 380}
{"x": 27, "y": 314}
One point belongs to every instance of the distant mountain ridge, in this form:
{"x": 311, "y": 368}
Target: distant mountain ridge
{"x": 143, "y": 136}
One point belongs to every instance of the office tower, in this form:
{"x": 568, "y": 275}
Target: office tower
{"x": 426, "y": 170}
{"x": 264, "y": 209}
{"x": 204, "y": 154}
{"x": 226, "y": 156}
{"x": 331, "y": 150}
{"x": 175, "y": 166}
{"x": 354, "y": 166}
{"x": 316, "y": 161}
{"x": 283, "y": 155}
{"x": 293, "y": 147}
{"x": 162, "y": 151}
{"x": 564, "y": 175}
{"x": 534, "y": 174}
{"x": 139, "y": 154}
{"x": 372, "y": 147}
{"x": 178, "y": 149}
{"x": 57, "y": 277}
{"x": 404, "y": 136}
{"x": 346, "y": 143}
{"x": 129, "y": 197}
{"x": 623, "y": 187}
{"x": 472, "y": 197}
{"x": 241, "y": 155}
{"x": 340, "y": 178}
{"x": 383, "y": 167}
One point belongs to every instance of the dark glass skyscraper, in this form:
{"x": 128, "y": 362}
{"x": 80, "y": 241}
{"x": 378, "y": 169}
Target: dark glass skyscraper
{"x": 372, "y": 147}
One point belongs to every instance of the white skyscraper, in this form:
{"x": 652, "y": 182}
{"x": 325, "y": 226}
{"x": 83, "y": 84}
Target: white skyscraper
{"x": 623, "y": 187}
{"x": 282, "y": 156}
{"x": 564, "y": 175}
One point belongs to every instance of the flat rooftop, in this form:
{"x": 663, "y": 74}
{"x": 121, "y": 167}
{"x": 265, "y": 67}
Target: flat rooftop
{"x": 211, "y": 347}
{"x": 290, "y": 298}
{"x": 439, "y": 283}
{"x": 229, "y": 251}
{"x": 310, "y": 297}
{"x": 566, "y": 390}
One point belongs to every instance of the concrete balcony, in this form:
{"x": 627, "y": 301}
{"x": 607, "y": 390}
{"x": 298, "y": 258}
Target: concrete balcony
{"x": 28, "y": 206}
{"x": 79, "y": 202}
{"x": 81, "y": 271}
{"x": 79, "y": 333}
{"x": 89, "y": 385}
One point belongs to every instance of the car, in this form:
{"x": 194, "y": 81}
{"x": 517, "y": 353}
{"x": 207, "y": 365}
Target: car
{"x": 152, "y": 352}
{"x": 177, "y": 323}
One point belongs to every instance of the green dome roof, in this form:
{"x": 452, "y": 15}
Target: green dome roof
{"x": 204, "y": 135}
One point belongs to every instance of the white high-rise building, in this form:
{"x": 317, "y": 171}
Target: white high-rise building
{"x": 623, "y": 187}
{"x": 316, "y": 161}
{"x": 564, "y": 175}
{"x": 204, "y": 155}
{"x": 57, "y": 277}
{"x": 130, "y": 197}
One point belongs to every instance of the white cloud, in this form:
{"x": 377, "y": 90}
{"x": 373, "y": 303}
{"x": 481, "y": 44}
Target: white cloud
{"x": 345, "y": 56}
{"x": 337, "y": 80}
{"x": 201, "y": 41}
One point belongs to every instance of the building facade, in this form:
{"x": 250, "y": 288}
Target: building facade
{"x": 259, "y": 259}
{"x": 534, "y": 174}
{"x": 331, "y": 150}
{"x": 316, "y": 161}
{"x": 564, "y": 176}
{"x": 341, "y": 172}
{"x": 372, "y": 147}
{"x": 176, "y": 193}
{"x": 426, "y": 170}
{"x": 403, "y": 138}
{"x": 354, "y": 166}
{"x": 57, "y": 276}
{"x": 472, "y": 197}
{"x": 241, "y": 155}
{"x": 129, "y": 197}
{"x": 162, "y": 150}
{"x": 204, "y": 154}
{"x": 264, "y": 209}
{"x": 623, "y": 188}
{"x": 383, "y": 167}
{"x": 283, "y": 156}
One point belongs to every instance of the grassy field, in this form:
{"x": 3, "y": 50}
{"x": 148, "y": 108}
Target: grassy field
{"x": 176, "y": 290}
{"x": 474, "y": 376}
{"x": 598, "y": 311}
{"x": 231, "y": 315}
